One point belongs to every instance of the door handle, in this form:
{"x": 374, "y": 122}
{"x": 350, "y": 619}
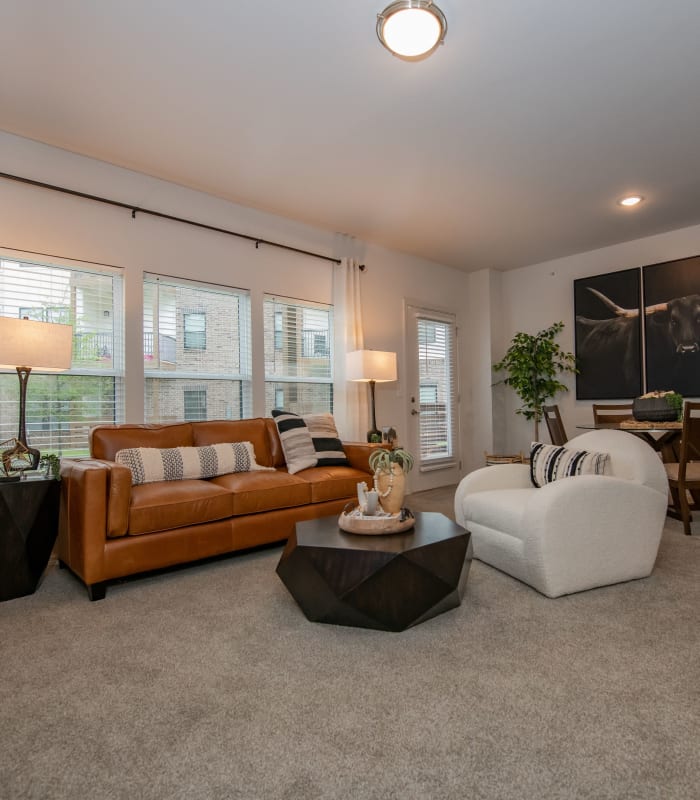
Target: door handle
{"x": 414, "y": 412}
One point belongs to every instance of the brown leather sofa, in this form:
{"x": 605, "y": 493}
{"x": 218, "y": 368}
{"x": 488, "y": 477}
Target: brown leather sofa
{"x": 109, "y": 529}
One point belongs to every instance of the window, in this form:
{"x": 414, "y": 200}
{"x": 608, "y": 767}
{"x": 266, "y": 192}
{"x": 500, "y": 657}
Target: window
{"x": 298, "y": 355}
{"x": 61, "y": 407}
{"x": 57, "y": 314}
{"x": 279, "y": 322}
{"x": 196, "y": 350}
{"x": 437, "y": 389}
{"x": 428, "y": 393}
{"x": 195, "y": 402}
{"x": 194, "y": 326}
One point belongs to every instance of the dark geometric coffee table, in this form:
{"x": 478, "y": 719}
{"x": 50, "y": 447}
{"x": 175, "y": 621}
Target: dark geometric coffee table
{"x": 387, "y": 582}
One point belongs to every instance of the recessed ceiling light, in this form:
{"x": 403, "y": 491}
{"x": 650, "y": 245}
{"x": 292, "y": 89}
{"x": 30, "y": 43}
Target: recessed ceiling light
{"x": 631, "y": 200}
{"x": 411, "y": 29}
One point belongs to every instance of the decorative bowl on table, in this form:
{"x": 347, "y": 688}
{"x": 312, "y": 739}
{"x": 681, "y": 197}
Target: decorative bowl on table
{"x": 352, "y": 520}
{"x": 654, "y": 408}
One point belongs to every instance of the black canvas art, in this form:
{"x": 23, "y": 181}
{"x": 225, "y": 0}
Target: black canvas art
{"x": 672, "y": 337}
{"x": 608, "y": 336}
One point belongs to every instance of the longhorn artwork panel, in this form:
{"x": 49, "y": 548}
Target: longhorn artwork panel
{"x": 608, "y": 336}
{"x": 672, "y": 326}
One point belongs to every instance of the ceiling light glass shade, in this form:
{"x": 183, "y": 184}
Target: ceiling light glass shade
{"x": 632, "y": 200}
{"x": 411, "y": 29}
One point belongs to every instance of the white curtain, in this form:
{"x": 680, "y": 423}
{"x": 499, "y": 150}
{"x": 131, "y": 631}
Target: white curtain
{"x": 350, "y": 407}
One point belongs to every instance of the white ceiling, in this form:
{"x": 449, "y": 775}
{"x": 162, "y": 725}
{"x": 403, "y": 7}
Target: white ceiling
{"x": 508, "y": 146}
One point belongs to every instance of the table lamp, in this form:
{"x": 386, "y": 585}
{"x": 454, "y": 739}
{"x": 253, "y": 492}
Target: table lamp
{"x": 371, "y": 366}
{"x": 25, "y": 345}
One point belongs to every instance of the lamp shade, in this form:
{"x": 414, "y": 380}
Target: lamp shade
{"x": 371, "y": 365}
{"x": 42, "y": 346}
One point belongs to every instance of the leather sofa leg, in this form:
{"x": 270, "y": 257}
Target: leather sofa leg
{"x": 97, "y": 591}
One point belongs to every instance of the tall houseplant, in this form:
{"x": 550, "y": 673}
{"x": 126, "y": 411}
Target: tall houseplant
{"x": 532, "y": 364}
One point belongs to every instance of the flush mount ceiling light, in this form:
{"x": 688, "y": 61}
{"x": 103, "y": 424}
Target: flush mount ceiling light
{"x": 411, "y": 29}
{"x": 632, "y": 200}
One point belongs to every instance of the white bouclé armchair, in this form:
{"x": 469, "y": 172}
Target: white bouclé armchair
{"x": 574, "y": 533}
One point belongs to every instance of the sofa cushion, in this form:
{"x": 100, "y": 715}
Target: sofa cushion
{"x": 107, "y": 440}
{"x": 235, "y": 430}
{"x": 253, "y": 492}
{"x": 551, "y": 463}
{"x": 332, "y": 483}
{"x": 166, "y": 505}
{"x": 150, "y": 464}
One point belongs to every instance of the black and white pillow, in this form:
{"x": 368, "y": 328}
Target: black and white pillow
{"x": 310, "y": 441}
{"x": 151, "y": 464}
{"x": 297, "y": 445}
{"x": 327, "y": 444}
{"x": 551, "y": 463}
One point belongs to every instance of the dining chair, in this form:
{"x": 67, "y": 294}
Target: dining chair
{"x": 611, "y": 413}
{"x": 684, "y": 474}
{"x": 555, "y": 426}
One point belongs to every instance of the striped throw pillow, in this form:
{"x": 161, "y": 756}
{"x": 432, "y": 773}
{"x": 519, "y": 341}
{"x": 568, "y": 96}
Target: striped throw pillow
{"x": 310, "y": 441}
{"x": 151, "y": 464}
{"x": 550, "y": 463}
{"x": 297, "y": 445}
{"x": 327, "y": 444}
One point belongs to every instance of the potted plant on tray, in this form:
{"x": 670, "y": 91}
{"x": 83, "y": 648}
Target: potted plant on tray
{"x": 532, "y": 364}
{"x": 390, "y": 468}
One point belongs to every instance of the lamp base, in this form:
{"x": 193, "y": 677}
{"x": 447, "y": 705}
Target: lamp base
{"x": 16, "y": 457}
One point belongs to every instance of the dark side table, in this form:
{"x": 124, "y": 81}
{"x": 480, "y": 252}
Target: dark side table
{"x": 28, "y": 529}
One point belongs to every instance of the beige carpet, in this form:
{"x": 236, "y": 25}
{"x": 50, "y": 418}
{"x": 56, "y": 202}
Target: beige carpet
{"x": 208, "y": 682}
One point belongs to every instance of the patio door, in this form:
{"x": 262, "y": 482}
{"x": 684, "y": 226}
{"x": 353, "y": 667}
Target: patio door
{"x": 433, "y": 397}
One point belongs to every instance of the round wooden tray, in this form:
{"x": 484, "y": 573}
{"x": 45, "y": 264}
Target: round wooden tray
{"x": 375, "y": 526}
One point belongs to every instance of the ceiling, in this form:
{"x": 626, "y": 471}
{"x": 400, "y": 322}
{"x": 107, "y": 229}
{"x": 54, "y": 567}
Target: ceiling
{"x": 508, "y": 146}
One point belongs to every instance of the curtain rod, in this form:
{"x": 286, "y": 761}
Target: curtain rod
{"x": 138, "y": 210}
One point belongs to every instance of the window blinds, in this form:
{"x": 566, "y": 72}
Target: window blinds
{"x": 196, "y": 350}
{"x": 62, "y": 407}
{"x": 437, "y": 389}
{"x": 298, "y": 355}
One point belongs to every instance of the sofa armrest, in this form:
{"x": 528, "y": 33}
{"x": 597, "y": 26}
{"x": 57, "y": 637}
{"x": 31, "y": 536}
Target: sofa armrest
{"x": 95, "y": 498}
{"x": 358, "y": 454}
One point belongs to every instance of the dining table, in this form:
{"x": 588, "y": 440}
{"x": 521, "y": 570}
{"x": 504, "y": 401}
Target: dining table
{"x": 664, "y": 437}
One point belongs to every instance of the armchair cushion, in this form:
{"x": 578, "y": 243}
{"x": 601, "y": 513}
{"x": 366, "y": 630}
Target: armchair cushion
{"x": 551, "y": 463}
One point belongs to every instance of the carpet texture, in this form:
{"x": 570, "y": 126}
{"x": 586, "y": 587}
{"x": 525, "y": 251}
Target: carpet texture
{"x": 208, "y": 682}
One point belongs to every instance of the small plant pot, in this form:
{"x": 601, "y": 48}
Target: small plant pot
{"x": 391, "y": 488}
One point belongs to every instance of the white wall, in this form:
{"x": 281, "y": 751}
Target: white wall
{"x": 36, "y": 220}
{"x": 536, "y": 296}
{"x": 490, "y": 306}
